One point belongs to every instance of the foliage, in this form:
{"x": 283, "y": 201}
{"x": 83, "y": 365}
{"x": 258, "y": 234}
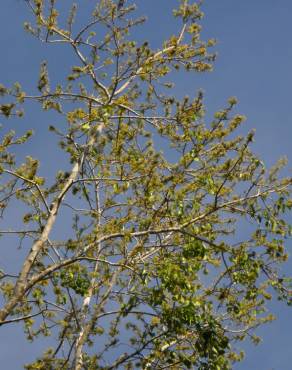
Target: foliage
{"x": 155, "y": 273}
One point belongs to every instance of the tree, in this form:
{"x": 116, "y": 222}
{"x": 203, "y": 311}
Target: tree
{"x": 153, "y": 274}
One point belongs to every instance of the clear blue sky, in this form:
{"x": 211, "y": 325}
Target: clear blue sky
{"x": 254, "y": 64}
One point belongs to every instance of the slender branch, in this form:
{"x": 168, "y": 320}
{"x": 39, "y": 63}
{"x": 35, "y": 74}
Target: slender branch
{"x": 15, "y": 174}
{"x": 22, "y": 318}
{"x": 65, "y": 95}
{"x": 19, "y": 232}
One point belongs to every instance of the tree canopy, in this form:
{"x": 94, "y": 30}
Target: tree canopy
{"x": 152, "y": 273}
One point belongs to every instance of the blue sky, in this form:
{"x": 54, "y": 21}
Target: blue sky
{"x": 254, "y": 63}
